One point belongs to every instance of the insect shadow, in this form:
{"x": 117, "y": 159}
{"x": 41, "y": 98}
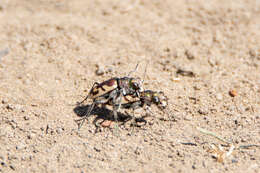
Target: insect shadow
{"x": 101, "y": 113}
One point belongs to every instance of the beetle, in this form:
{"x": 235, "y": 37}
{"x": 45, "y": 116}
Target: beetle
{"x": 112, "y": 91}
{"x": 144, "y": 100}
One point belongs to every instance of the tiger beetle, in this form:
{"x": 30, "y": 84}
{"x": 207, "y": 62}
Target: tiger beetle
{"x": 112, "y": 91}
{"x": 145, "y": 100}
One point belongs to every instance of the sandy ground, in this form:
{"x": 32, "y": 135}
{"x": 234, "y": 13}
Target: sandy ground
{"x": 50, "y": 51}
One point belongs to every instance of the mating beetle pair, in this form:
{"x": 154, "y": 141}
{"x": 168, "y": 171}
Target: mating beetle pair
{"x": 126, "y": 93}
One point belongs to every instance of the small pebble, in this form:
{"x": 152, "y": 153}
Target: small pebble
{"x": 31, "y": 135}
{"x": 247, "y": 108}
{"x": 100, "y": 71}
{"x": 97, "y": 149}
{"x": 188, "y": 118}
{"x": 243, "y": 140}
{"x": 4, "y": 52}
{"x": 27, "y": 46}
{"x": 10, "y": 107}
{"x": 211, "y": 62}
{"x": 234, "y": 161}
{"x": 189, "y": 55}
{"x": 4, "y": 101}
{"x": 18, "y": 107}
{"x": 233, "y": 93}
{"x": 20, "y": 146}
{"x": 110, "y": 69}
{"x": 180, "y": 154}
{"x": 202, "y": 112}
{"x": 219, "y": 97}
{"x": 150, "y": 123}
{"x": 176, "y": 79}
{"x": 196, "y": 87}
{"x": 12, "y": 167}
{"x": 185, "y": 73}
{"x": 26, "y": 118}
{"x": 23, "y": 158}
{"x": 137, "y": 151}
{"x": 59, "y": 130}
{"x": 170, "y": 156}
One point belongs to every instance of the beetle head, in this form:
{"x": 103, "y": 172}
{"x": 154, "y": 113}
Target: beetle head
{"x": 136, "y": 84}
{"x": 160, "y": 99}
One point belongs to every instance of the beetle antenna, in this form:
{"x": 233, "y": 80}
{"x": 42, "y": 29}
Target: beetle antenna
{"x": 79, "y": 103}
{"x": 133, "y": 70}
{"x": 145, "y": 70}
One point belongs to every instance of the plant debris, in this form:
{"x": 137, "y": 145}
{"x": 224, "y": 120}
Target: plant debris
{"x": 218, "y": 152}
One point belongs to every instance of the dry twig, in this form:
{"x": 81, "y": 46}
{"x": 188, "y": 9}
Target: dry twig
{"x": 218, "y": 152}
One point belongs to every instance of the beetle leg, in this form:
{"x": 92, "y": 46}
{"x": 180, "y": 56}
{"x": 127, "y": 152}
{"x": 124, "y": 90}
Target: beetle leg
{"x": 100, "y": 100}
{"x": 147, "y": 108}
{"x": 86, "y": 116}
{"x": 117, "y": 101}
{"x": 98, "y": 124}
{"x": 115, "y": 109}
{"x": 103, "y": 106}
{"x": 133, "y": 121}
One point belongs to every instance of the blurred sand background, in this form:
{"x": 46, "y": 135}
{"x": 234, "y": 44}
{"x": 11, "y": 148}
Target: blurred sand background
{"x": 52, "y": 51}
